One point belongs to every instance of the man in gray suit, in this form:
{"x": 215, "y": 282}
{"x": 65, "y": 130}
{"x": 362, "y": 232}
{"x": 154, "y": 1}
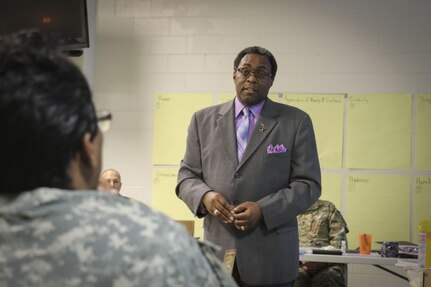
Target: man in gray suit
{"x": 250, "y": 173}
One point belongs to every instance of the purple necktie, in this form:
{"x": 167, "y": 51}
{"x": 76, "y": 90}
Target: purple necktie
{"x": 242, "y": 132}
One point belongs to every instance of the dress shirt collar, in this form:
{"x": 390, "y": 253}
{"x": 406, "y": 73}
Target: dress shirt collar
{"x": 255, "y": 110}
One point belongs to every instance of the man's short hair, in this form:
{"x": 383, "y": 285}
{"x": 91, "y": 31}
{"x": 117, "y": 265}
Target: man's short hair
{"x": 260, "y": 51}
{"x": 45, "y": 110}
{"x": 113, "y": 170}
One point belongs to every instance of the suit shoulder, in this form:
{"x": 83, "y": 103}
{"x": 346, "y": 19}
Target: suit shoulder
{"x": 214, "y": 110}
{"x": 290, "y": 111}
{"x": 288, "y": 108}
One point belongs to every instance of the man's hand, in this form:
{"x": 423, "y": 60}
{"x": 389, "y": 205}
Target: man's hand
{"x": 218, "y": 206}
{"x": 248, "y": 215}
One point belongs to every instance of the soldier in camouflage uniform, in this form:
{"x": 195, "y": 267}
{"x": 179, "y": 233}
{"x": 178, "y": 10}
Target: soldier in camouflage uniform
{"x": 55, "y": 228}
{"x": 321, "y": 225}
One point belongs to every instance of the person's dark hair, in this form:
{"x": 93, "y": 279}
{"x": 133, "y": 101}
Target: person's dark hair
{"x": 259, "y": 51}
{"x": 45, "y": 110}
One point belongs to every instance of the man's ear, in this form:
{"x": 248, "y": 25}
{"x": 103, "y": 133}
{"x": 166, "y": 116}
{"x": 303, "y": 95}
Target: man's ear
{"x": 84, "y": 168}
{"x": 89, "y": 152}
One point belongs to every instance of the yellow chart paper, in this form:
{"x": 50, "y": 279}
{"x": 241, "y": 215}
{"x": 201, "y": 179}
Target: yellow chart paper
{"x": 422, "y": 200}
{"x": 331, "y": 189}
{"x": 380, "y": 205}
{"x": 165, "y": 200}
{"x": 378, "y": 131}
{"x": 423, "y": 132}
{"x": 173, "y": 113}
{"x": 327, "y": 113}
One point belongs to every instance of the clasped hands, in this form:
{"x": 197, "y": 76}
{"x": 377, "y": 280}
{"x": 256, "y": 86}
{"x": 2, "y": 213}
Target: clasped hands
{"x": 244, "y": 216}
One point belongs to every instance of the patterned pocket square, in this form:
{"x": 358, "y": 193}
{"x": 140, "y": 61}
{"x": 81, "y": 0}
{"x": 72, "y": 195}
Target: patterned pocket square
{"x": 279, "y": 148}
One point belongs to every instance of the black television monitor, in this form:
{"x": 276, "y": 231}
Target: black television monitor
{"x": 64, "y": 22}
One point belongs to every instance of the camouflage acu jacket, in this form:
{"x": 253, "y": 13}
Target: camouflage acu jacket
{"x": 322, "y": 225}
{"x": 51, "y": 237}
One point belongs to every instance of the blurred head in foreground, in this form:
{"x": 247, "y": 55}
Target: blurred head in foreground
{"x": 48, "y": 125}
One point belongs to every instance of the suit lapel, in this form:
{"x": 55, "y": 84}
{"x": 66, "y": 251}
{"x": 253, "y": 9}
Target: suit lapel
{"x": 264, "y": 125}
{"x": 226, "y": 129}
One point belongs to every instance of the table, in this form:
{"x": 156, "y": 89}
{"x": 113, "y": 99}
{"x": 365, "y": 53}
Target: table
{"x": 355, "y": 258}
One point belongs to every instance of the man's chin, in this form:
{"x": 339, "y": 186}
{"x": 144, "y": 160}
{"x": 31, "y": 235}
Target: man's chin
{"x": 250, "y": 99}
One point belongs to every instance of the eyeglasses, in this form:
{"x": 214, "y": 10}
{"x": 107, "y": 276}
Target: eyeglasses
{"x": 104, "y": 119}
{"x": 259, "y": 74}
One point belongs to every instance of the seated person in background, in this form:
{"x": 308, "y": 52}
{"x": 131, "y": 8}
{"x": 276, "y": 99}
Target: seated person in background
{"x": 55, "y": 229}
{"x": 320, "y": 226}
{"x": 110, "y": 181}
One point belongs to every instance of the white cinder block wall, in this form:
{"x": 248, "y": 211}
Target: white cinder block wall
{"x": 143, "y": 47}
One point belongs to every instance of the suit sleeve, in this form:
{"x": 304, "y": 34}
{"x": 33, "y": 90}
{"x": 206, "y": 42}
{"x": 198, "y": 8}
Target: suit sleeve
{"x": 190, "y": 185}
{"x": 304, "y": 184}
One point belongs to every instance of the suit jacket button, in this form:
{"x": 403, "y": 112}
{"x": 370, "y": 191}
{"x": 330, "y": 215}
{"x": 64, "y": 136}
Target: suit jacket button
{"x": 237, "y": 174}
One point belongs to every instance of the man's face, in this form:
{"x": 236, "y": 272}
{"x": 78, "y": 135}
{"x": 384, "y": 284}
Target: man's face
{"x": 253, "y": 88}
{"x": 113, "y": 179}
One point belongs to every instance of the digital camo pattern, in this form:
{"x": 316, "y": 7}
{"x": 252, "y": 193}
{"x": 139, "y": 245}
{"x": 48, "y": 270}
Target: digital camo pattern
{"x": 322, "y": 225}
{"x": 51, "y": 237}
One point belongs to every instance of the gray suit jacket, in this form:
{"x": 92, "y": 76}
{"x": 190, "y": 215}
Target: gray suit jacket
{"x": 283, "y": 184}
